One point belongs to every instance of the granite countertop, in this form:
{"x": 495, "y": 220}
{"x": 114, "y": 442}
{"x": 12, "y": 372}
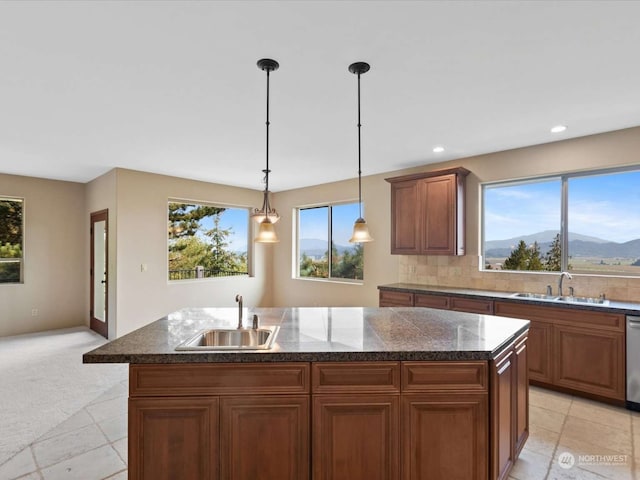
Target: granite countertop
{"x": 611, "y": 306}
{"x": 323, "y": 334}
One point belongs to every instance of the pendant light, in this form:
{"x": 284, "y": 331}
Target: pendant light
{"x": 360, "y": 228}
{"x": 265, "y": 215}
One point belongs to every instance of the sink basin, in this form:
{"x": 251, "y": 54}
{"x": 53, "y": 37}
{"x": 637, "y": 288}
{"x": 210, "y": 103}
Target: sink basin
{"x": 539, "y": 296}
{"x": 231, "y": 339}
{"x": 598, "y": 301}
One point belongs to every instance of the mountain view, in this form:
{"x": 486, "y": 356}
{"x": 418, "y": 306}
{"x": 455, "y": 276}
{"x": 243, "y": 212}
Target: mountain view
{"x": 317, "y": 248}
{"x": 586, "y": 254}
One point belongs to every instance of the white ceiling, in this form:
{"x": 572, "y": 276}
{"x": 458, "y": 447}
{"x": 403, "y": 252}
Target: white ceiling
{"x": 173, "y": 87}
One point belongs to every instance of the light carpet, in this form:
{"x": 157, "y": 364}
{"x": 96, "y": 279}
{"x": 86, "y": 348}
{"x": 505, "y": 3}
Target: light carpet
{"x": 43, "y": 382}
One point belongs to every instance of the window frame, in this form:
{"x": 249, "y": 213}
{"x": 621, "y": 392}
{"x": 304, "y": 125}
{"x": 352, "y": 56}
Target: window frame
{"x": 564, "y": 215}
{"x": 296, "y": 251}
{"x": 21, "y": 260}
{"x": 250, "y": 246}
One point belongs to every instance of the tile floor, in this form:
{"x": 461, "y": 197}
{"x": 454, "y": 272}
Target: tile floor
{"x": 593, "y": 440}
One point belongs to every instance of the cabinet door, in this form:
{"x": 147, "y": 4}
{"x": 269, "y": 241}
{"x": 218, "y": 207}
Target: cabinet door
{"x": 264, "y": 438}
{"x": 405, "y": 230}
{"x": 173, "y": 438}
{"x": 590, "y": 360}
{"x": 539, "y": 352}
{"x": 438, "y": 217}
{"x": 389, "y": 298}
{"x": 432, "y": 301}
{"x": 502, "y": 415}
{"x": 356, "y": 437}
{"x": 471, "y": 305}
{"x": 444, "y": 436}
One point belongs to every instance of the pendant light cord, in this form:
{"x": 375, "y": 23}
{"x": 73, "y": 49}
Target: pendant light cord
{"x": 359, "y": 155}
{"x": 266, "y": 172}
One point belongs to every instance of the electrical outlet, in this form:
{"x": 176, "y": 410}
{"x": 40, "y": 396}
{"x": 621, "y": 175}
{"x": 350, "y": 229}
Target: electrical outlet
{"x": 34, "y": 312}
{"x": 412, "y": 269}
{"x": 143, "y": 267}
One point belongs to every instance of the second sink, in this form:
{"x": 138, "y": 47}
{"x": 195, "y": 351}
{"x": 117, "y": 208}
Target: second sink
{"x": 232, "y": 339}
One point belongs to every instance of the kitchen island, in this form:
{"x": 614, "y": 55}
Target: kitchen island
{"x": 345, "y": 393}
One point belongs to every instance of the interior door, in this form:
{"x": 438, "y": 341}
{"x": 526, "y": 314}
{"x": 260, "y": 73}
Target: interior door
{"x": 99, "y": 272}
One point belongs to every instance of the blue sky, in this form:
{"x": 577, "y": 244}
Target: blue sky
{"x": 314, "y": 222}
{"x": 603, "y": 206}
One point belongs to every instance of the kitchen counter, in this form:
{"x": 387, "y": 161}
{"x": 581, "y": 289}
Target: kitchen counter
{"x": 323, "y": 334}
{"x": 611, "y": 306}
{"x": 356, "y": 393}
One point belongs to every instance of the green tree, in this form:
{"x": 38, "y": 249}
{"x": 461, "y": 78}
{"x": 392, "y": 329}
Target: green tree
{"x": 524, "y": 258}
{"x": 553, "y": 258}
{"x": 184, "y": 218}
{"x": 221, "y": 259}
{"x": 187, "y": 253}
{"x": 10, "y": 222}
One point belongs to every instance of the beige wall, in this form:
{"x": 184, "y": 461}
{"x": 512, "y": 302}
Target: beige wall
{"x": 379, "y": 266}
{"x": 143, "y": 297}
{"x": 101, "y": 194}
{"x": 55, "y": 281}
{"x": 614, "y": 149}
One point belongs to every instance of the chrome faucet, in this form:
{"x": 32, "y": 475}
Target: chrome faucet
{"x": 562, "y": 275}
{"x": 239, "y": 300}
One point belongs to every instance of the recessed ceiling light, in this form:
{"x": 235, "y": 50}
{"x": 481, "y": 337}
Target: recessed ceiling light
{"x": 558, "y": 128}
{"x": 438, "y": 149}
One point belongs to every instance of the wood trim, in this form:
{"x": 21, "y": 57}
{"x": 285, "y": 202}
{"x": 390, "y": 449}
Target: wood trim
{"x": 96, "y": 325}
{"x": 502, "y": 415}
{"x": 218, "y": 379}
{"x": 461, "y": 171}
{"x": 351, "y": 377}
{"x": 444, "y": 376}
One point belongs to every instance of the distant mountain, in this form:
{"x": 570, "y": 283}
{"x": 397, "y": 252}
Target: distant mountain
{"x": 315, "y": 247}
{"x": 579, "y": 246}
{"x": 541, "y": 237}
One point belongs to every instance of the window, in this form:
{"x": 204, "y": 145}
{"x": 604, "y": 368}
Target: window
{"x": 11, "y": 240}
{"x": 324, "y": 250}
{"x": 207, "y": 241}
{"x": 583, "y": 223}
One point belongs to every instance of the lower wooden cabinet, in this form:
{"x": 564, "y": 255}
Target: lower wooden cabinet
{"x": 437, "y": 420}
{"x": 356, "y": 437}
{"x": 173, "y": 438}
{"x": 444, "y": 436}
{"x": 389, "y": 298}
{"x": 582, "y": 351}
{"x": 264, "y": 438}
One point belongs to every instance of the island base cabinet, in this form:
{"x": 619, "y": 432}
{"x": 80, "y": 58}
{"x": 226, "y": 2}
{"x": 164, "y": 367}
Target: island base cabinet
{"x": 264, "y": 438}
{"x": 444, "y": 436}
{"x": 356, "y": 437}
{"x": 173, "y": 438}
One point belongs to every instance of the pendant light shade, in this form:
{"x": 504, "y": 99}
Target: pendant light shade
{"x": 360, "y": 228}
{"x": 266, "y": 216}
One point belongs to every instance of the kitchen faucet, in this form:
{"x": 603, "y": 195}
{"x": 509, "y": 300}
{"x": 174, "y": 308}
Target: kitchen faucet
{"x": 562, "y": 275}
{"x": 239, "y": 300}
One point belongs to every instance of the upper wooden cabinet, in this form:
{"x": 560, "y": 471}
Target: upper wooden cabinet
{"x": 427, "y": 213}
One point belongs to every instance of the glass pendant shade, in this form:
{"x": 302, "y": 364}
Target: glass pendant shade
{"x": 266, "y": 232}
{"x": 360, "y": 232}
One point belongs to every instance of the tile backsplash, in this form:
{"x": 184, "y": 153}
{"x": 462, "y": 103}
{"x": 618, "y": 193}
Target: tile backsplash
{"x": 463, "y": 272}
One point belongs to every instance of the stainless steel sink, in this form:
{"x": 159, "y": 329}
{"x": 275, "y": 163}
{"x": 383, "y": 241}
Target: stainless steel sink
{"x": 539, "y": 296}
{"x": 232, "y": 339}
{"x": 597, "y": 301}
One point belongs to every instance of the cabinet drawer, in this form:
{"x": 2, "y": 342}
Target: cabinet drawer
{"x": 432, "y": 301}
{"x": 337, "y": 377}
{"x": 395, "y": 299}
{"x": 218, "y": 379}
{"x": 444, "y": 376}
{"x": 471, "y": 305}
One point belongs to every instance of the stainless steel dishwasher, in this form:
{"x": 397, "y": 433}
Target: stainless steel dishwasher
{"x": 633, "y": 363}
